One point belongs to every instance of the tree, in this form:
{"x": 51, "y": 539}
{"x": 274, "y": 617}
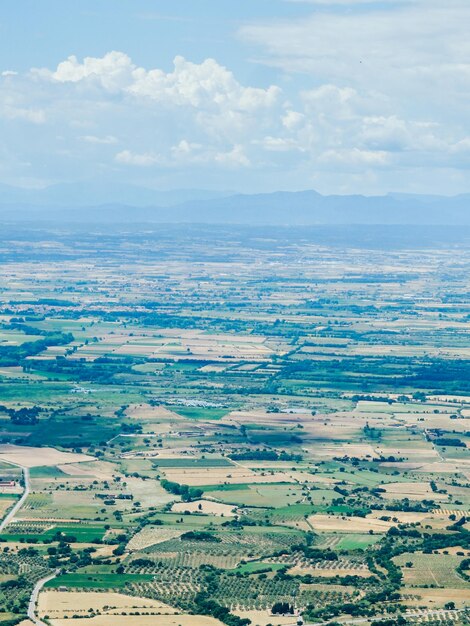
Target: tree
{"x": 282, "y": 608}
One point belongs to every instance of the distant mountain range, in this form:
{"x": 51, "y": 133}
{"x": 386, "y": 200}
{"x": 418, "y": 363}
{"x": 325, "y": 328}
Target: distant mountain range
{"x": 95, "y": 194}
{"x": 123, "y": 203}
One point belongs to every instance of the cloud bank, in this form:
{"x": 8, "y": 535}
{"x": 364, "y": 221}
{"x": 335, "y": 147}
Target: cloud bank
{"x": 368, "y": 99}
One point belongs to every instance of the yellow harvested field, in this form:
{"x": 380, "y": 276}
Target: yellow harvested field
{"x": 106, "y": 550}
{"x": 213, "y": 368}
{"x": 169, "y": 453}
{"x": 265, "y": 418}
{"x": 181, "y": 344}
{"x": 148, "y": 492}
{"x": 412, "y": 490}
{"x": 75, "y": 469}
{"x": 151, "y": 535}
{"x": 221, "y": 475}
{"x": 36, "y": 457}
{"x": 454, "y": 550}
{"x": 263, "y": 618}
{"x": 439, "y": 421}
{"x": 415, "y": 454}
{"x": 228, "y": 337}
{"x": 334, "y": 523}
{"x": 299, "y": 525}
{"x": 206, "y": 507}
{"x": 408, "y": 517}
{"x": 452, "y": 511}
{"x": 94, "y": 469}
{"x": 446, "y": 468}
{"x": 349, "y": 450}
{"x": 450, "y": 398}
{"x": 143, "y": 620}
{"x": 403, "y": 465}
{"x": 436, "y": 598}
{"x": 148, "y": 412}
{"x": 5, "y": 504}
{"x": 59, "y": 604}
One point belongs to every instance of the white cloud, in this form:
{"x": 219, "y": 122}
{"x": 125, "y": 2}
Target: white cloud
{"x": 189, "y": 152}
{"x": 342, "y": 103}
{"x": 394, "y": 134}
{"x": 195, "y": 114}
{"x": 279, "y": 144}
{"x": 127, "y": 157}
{"x": 216, "y": 107}
{"x": 185, "y": 147}
{"x": 197, "y": 122}
{"x": 189, "y": 84}
{"x": 401, "y": 49}
{"x": 200, "y": 85}
{"x": 186, "y": 154}
{"x": 292, "y": 119}
{"x": 11, "y": 112}
{"x": 355, "y": 157}
{"x": 233, "y": 158}
{"x": 113, "y": 71}
{"x": 105, "y": 141}
{"x": 462, "y": 146}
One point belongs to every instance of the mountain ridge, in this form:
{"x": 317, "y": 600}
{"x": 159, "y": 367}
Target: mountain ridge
{"x": 294, "y": 208}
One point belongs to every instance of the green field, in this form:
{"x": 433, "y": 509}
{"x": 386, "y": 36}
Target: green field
{"x": 200, "y": 413}
{"x": 96, "y": 581}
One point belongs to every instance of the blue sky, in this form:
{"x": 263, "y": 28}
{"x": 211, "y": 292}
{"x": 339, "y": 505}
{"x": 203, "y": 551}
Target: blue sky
{"x": 344, "y": 96}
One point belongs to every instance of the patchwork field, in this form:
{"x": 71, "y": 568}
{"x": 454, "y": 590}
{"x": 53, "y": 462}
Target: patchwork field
{"x": 151, "y": 535}
{"x": 440, "y": 570}
{"x": 67, "y": 604}
{"x": 144, "y": 620}
{"x": 36, "y": 457}
{"x": 205, "y": 507}
{"x": 233, "y": 426}
{"x": 336, "y": 523}
{"x": 231, "y": 476}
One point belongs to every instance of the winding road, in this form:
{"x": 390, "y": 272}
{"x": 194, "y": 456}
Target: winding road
{"x": 27, "y": 489}
{"x": 4, "y": 523}
{"x": 34, "y": 598}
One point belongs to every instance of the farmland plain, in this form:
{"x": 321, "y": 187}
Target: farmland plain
{"x": 222, "y": 425}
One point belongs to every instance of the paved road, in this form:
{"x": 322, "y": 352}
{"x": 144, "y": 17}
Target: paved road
{"x": 6, "y": 520}
{"x": 27, "y": 488}
{"x": 34, "y": 598}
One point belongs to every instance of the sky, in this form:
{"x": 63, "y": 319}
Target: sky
{"x": 341, "y": 96}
